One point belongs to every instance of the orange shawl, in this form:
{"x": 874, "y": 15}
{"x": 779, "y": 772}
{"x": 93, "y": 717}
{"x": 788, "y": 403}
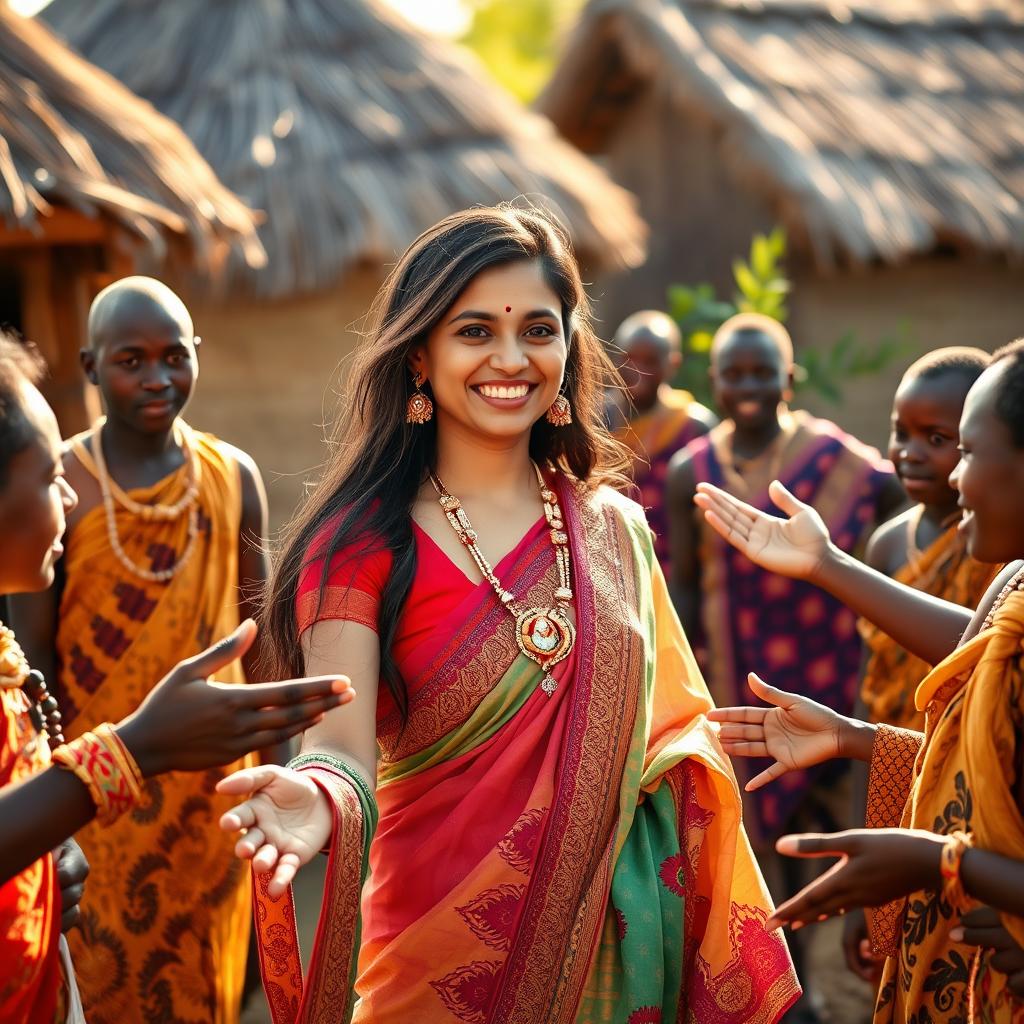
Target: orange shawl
{"x": 943, "y": 569}
{"x": 165, "y": 911}
{"x": 963, "y": 779}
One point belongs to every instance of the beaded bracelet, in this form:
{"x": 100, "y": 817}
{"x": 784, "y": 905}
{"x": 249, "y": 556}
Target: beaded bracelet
{"x": 953, "y": 850}
{"x": 103, "y": 764}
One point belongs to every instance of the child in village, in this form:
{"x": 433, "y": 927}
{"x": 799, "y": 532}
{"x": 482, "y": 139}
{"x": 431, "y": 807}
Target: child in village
{"x": 163, "y": 553}
{"x": 659, "y": 419}
{"x": 943, "y": 865}
{"x": 922, "y": 548}
{"x": 185, "y": 723}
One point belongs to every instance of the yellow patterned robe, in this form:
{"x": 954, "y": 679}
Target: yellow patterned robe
{"x": 166, "y": 911}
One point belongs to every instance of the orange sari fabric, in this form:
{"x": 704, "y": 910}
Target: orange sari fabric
{"x": 30, "y": 974}
{"x": 505, "y": 814}
{"x": 943, "y": 569}
{"x": 165, "y": 914}
{"x": 964, "y": 779}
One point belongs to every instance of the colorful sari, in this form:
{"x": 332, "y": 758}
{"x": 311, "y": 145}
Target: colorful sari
{"x": 963, "y": 779}
{"x": 165, "y": 917}
{"x": 943, "y": 569}
{"x": 577, "y": 857}
{"x": 799, "y": 637}
{"x": 653, "y": 438}
{"x": 30, "y": 972}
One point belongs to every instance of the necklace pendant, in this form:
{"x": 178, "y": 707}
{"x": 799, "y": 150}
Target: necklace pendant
{"x": 546, "y": 636}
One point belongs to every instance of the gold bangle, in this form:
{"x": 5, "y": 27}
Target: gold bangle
{"x": 133, "y": 774}
{"x": 953, "y": 850}
{"x": 97, "y": 762}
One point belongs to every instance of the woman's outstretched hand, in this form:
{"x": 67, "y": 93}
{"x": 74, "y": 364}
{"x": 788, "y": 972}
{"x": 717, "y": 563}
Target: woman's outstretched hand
{"x": 794, "y": 547}
{"x": 286, "y": 819}
{"x": 187, "y": 722}
{"x": 794, "y": 731}
{"x": 875, "y": 865}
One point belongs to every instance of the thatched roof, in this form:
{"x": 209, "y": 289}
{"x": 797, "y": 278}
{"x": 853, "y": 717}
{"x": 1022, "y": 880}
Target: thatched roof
{"x": 876, "y": 131}
{"x": 352, "y": 130}
{"x": 72, "y": 136}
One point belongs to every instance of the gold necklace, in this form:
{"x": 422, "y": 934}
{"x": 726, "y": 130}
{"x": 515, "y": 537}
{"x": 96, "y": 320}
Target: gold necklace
{"x": 148, "y": 512}
{"x": 544, "y": 635}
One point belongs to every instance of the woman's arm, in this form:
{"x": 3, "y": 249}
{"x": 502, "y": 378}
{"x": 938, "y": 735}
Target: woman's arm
{"x": 286, "y": 816}
{"x": 185, "y": 724}
{"x": 800, "y": 547}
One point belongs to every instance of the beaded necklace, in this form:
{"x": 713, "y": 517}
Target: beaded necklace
{"x": 150, "y": 513}
{"x": 15, "y": 672}
{"x": 544, "y": 635}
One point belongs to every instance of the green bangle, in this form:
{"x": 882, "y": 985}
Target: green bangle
{"x": 314, "y": 760}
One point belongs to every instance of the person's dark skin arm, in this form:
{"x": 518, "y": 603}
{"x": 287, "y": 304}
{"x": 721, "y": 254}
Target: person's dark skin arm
{"x": 684, "y": 541}
{"x": 184, "y": 724}
{"x": 800, "y": 547}
{"x": 253, "y": 571}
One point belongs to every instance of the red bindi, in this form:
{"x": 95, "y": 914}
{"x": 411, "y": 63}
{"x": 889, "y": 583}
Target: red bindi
{"x": 508, "y": 309}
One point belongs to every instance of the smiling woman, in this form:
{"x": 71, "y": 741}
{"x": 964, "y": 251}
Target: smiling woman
{"x": 536, "y": 683}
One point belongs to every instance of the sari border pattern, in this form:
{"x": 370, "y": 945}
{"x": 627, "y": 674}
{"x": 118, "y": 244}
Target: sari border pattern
{"x": 545, "y": 974}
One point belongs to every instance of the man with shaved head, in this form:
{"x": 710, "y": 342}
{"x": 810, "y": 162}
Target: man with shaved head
{"x": 162, "y": 555}
{"x": 660, "y": 419}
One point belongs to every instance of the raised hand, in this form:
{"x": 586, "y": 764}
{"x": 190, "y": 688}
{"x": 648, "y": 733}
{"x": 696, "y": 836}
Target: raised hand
{"x": 794, "y": 731}
{"x": 286, "y": 820}
{"x": 72, "y": 871}
{"x": 188, "y": 723}
{"x": 875, "y": 865}
{"x": 793, "y": 547}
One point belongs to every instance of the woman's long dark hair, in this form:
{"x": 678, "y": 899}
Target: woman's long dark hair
{"x": 364, "y": 500}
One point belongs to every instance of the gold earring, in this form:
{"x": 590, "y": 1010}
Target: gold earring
{"x": 419, "y": 409}
{"x": 559, "y": 413}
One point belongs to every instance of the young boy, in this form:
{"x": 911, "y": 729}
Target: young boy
{"x": 662, "y": 419}
{"x": 186, "y": 724}
{"x": 922, "y": 547}
{"x": 163, "y": 553}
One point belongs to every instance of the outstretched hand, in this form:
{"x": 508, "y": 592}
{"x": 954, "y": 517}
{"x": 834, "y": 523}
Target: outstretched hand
{"x": 793, "y": 547}
{"x": 794, "y": 731}
{"x": 874, "y": 867}
{"x": 285, "y": 820}
{"x": 188, "y": 722}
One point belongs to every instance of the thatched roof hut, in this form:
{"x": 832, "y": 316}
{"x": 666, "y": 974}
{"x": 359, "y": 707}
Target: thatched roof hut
{"x": 94, "y": 183}
{"x": 874, "y": 131}
{"x": 886, "y": 136}
{"x": 353, "y": 130}
{"x": 60, "y": 147}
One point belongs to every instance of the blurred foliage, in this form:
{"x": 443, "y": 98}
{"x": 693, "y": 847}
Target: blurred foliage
{"x": 762, "y": 287}
{"x": 519, "y": 40}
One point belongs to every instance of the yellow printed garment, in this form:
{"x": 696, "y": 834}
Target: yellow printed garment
{"x": 165, "y": 915}
{"x": 965, "y": 780}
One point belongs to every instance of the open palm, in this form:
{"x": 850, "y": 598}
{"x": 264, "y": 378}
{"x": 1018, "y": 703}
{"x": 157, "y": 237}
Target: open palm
{"x": 791, "y": 547}
{"x": 285, "y": 816}
{"x": 795, "y": 732}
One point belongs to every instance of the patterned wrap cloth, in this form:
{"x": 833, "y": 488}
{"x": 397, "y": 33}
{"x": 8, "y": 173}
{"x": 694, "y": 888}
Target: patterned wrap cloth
{"x": 795, "y": 635}
{"x": 962, "y": 775}
{"x": 165, "y": 915}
